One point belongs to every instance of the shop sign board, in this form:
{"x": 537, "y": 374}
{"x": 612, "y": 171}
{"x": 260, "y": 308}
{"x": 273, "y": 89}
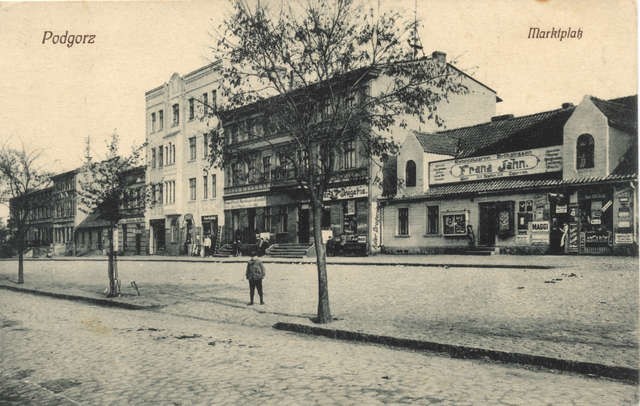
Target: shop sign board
{"x": 522, "y": 239}
{"x": 623, "y": 238}
{"x": 596, "y": 238}
{"x": 245, "y": 203}
{"x": 518, "y": 163}
{"x": 539, "y": 232}
{"x": 561, "y": 209}
{"x": 347, "y": 192}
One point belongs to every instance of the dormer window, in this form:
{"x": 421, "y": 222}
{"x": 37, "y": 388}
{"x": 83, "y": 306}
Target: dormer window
{"x": 585, "y": 152}
{"x": 410, "y": 174}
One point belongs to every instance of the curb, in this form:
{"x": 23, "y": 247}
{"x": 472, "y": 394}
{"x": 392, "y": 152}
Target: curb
{"x": 78, "y": 298}
{"x": 299, "y": 262}
{"x": 624, "y": 374}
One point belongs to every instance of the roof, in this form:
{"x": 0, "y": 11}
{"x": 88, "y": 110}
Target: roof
{"x": 501, "y": 135}
{"x": 621, "y": 112}
{"x": 629, "y": 161}
{"x": 511, "y": 185}
{"x": 437, "y": 144}
{"x": 93, "y": 220}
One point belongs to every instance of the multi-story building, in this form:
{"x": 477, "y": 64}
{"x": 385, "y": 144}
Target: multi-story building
{"x": 262, "y": 195}
{"x": 559, "y": 181}
{"x": 66, "y": 214}
{"x": 40, "y": 217}
{"x": 186, "y": 204}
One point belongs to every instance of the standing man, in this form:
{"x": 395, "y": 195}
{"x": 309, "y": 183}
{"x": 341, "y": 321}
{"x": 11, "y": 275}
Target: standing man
{"x": 255, "y": 273}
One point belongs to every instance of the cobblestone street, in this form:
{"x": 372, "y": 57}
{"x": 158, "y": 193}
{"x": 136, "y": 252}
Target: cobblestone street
{"x": 585, "y": 310}
{"x": 62, "y": 352}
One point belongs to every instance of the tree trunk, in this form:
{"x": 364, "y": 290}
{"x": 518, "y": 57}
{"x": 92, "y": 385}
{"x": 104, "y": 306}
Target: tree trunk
{"x": 112, "y": 270}
{"x": 21, "y": 266}
{"x": 324, "y": 312}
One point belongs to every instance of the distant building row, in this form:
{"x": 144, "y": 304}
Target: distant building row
{"x": 557, "y": 181}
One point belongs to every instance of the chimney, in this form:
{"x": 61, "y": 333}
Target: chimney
{"x": 567, "y": 105}
{"x": 501, "y": 118}
{"x": 439, "y": 56}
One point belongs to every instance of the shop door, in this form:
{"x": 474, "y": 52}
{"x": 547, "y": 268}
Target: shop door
{"x": 487, "y": 231}
{"x": 251, "y": 226}
{"x": 303, "y": 226}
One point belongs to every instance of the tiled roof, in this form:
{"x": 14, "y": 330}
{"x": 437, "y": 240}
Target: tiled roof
{"x": 622, "y": 112}
{"x": 629, "y": 162}
{"x": 438, "y": 144}
{"x": 502, "y": 135}
{"x": 510, "y": 184}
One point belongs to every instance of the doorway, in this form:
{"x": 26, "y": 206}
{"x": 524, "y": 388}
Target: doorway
{"x": 303, "y": 226}
{"x": 487, "y": 227}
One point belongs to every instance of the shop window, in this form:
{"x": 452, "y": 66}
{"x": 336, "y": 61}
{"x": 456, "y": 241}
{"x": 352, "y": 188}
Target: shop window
{"x": 174, "y": 230}
{"x": 585, "y": 152}
{"x": 505, "y": 219}
{"x": 403, "y": 221}
{"x": 432, "y": 220}
{"x": 410, "y": 174}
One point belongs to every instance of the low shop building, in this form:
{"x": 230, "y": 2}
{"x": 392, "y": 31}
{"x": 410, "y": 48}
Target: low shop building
{"x": 562, "y": 181}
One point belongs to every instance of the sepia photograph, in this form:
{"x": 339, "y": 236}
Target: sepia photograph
{"x": 336, "y": 202}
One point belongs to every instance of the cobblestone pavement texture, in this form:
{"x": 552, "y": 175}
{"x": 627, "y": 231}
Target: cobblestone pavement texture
{"x": 585, "y": 310}
{"x": 64, "y": 353}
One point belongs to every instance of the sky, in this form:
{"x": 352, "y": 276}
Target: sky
{"x": 54, "y": 97}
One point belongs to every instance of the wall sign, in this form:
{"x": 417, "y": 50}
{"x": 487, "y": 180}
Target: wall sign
{"x": 539, "y": 232}
{"x": 623, "y": 238}
{"x": 454, "y": 224}
{"x": 347, "y": 192}
{"x": 528, "y": 162}
{"x": 596, "y": 238}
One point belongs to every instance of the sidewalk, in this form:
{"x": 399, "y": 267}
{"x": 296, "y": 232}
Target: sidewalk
{"x": 585, "y": 310}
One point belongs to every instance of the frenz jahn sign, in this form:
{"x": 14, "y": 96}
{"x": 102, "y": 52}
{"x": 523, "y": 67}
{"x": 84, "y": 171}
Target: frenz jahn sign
{"x": 518, "y": 163}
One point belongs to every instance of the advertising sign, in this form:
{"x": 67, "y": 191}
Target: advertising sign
{"x": 539, "y": 232}
{"x": 528, "y": 162}
{"x": 347, "y": 192}
{"x": 623, "y": 238}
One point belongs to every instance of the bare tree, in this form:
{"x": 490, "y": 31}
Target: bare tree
{"x": 21, "y": 174}
{"x": 104, "y": 191}
{"x": 321, "y": 73}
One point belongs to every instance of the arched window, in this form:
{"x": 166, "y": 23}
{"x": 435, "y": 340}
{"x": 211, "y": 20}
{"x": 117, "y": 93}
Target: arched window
{"x": 584, "y": 151}
{"x": 410, "y": 173}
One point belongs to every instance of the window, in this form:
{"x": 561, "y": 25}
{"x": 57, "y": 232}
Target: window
{"x": 153, "y": 194}
{"x": 585, "y": 152}
{"x": 432, "y": 220}
{"x": 160, "y": 120}
{"x": 205, "y": 187}
{"x": 349, "y": 155}
{"x": 205, "y": 145}
{"x": 410, "y": 174}
{"x": 160, "y": 156}
{"x": 192, "y": 113}
{"x": 167, "y": 154}
{"x": 403, "y": 221}
{"x": 214, "y": 101}
{"x": 176, "y": 114}
{"x": 205, "y": 103}
{"x": 267, "y": 219}
{"x": 153, "y": 122}
{"x": 153, "y": 158}
{"x": 266, "y": 167}
{"x": 283, "y": 219}
{"x": 192, "y": 148}
{"x": 192, "y": 189}
{"x": 213, "y": 186}
{"x": 173, "y": 153}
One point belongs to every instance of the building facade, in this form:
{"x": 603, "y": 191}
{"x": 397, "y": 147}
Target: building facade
{"x": 187, "y": 193}
{"x": 66, "y": 213}
{"x": 562, "y": 181}
{"x": 262, "y": 196}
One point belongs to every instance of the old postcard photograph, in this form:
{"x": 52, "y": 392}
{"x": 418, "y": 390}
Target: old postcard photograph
{"x": 319, "y": 202}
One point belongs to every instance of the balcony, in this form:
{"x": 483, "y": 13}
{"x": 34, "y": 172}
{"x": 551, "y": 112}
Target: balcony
{"x": 283, "y": 178}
